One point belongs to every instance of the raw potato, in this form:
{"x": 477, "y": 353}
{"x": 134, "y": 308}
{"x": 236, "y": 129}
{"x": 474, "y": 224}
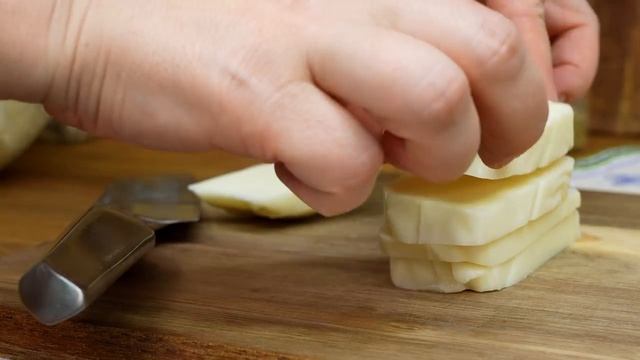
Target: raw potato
{"x": 493, "y": 253}
{"x": 424, "y": 274}
{"x": 472, "y": 211}
{"x": 255, "y": 190}
{"x": 555, "y": 142}
{"x": 20, "y": 125}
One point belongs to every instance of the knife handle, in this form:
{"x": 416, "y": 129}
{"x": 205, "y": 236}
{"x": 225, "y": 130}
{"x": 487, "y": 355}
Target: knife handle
{"x": 86, "y": 260}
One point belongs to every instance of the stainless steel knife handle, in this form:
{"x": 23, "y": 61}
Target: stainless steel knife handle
{"x": 87, "y": 259}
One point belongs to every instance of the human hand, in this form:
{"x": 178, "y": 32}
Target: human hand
{"x": 326, "y": 89}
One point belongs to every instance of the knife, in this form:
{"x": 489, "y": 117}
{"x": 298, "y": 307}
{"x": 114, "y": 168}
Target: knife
{"x": 106, "y": 241}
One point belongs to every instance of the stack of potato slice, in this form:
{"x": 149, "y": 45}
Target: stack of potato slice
{"x": 491, "y": 228}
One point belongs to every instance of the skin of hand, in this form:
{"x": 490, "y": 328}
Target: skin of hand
{"x": 563, "y": 38}
{"x": 328, "y": 90}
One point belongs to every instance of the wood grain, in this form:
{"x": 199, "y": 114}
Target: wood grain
{"x": 614, "y": 210}
{"x": 77, "y": 339}
{"x": 245, "y": 288}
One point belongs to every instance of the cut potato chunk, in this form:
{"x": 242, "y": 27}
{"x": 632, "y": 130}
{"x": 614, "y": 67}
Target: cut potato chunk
{"x": 438, "y": 276}
{"x": 472, "y": 211}
{"x": 490, "y": 254}
{"x": 20, "y": 125}
{"x": 555, "y": 142}
{"x": 256, "y": 189}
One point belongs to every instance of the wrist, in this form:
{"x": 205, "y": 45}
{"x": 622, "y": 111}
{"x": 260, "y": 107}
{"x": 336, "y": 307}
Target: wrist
{"x": 27, "y": 58}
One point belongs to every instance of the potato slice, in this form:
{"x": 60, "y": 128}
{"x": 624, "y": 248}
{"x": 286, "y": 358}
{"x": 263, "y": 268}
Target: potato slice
{"x": 438, "y": 276}
{"x": 472, "y": 211}
{"x": 256, "y": 190}
{"x": 555, "y": 142}
{"x": 20, "y": 125}
{"x": 490, "y": 254}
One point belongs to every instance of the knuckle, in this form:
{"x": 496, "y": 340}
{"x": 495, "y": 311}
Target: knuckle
{"x": 500, "y": 49}
{"x": 341, "y": 161}
{"x": 448, "y": 94}
{"x": 265, "y": 135}
{"x": 261, "y": 141}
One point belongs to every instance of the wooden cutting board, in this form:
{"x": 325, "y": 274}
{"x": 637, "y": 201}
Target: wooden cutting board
{"x": 246, "y": 288}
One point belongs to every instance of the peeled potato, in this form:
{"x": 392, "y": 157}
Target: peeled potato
{"x": 472, "y": 211}
{"x": 256, "y": 190}
{"x": 492, "y": 253}
{"x": 555, "y": 142}
{"x": 439, "y": 276}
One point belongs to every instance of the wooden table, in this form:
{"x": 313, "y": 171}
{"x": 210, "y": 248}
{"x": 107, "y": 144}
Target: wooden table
{"x": 250, "y": 289}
